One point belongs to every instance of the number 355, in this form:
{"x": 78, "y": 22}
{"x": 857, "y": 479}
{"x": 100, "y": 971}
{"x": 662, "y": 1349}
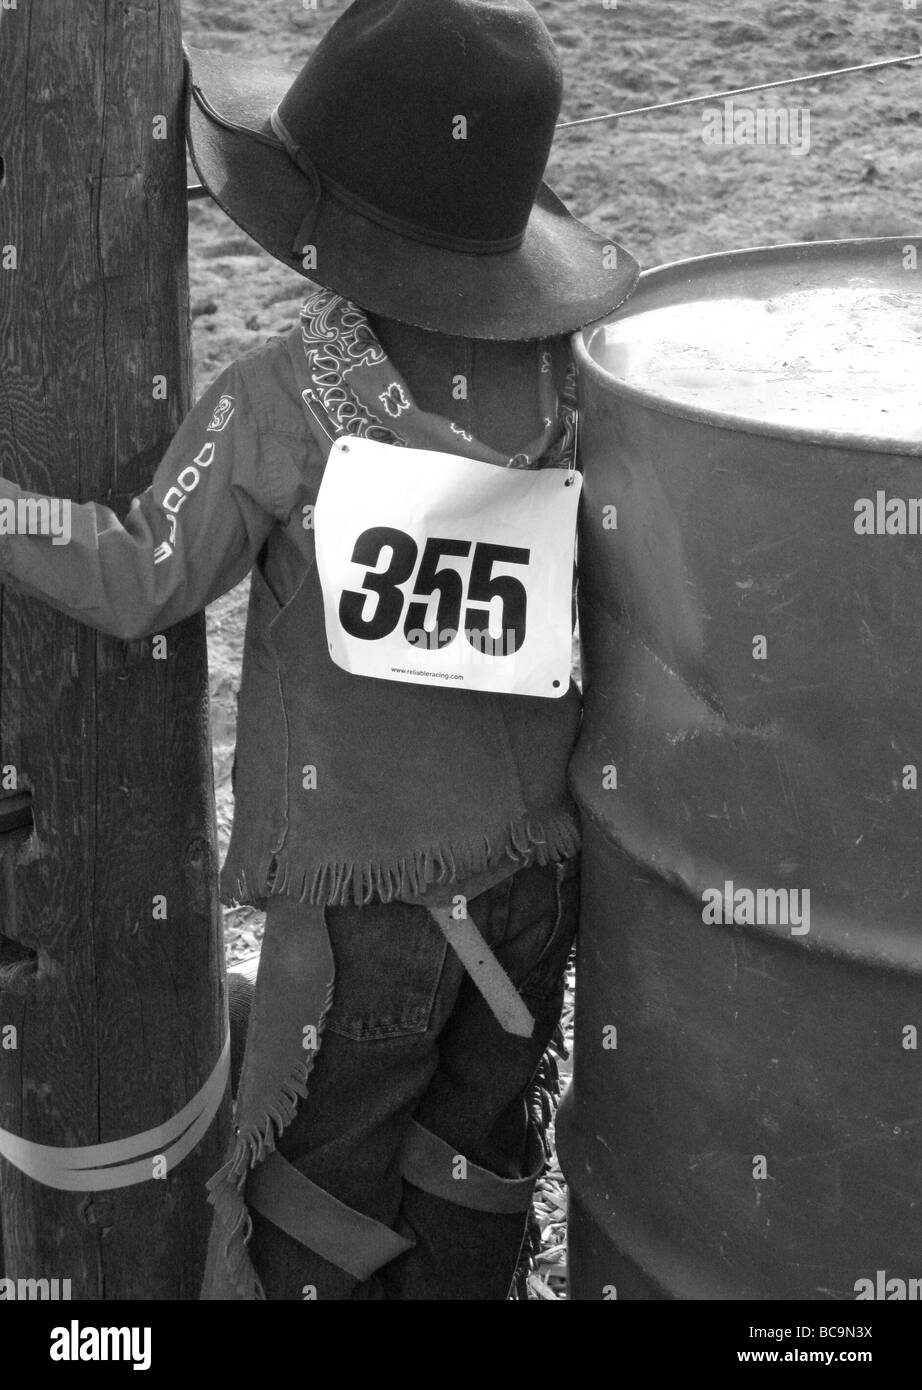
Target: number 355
{"x": 483, "y": 587}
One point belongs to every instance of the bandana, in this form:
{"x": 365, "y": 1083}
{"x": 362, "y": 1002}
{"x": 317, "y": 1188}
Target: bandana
{"x": 361, "y": 392}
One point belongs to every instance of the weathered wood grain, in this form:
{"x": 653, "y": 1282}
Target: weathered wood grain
{"x": 120, "y": 1016}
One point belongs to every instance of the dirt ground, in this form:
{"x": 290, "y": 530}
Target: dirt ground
{"x": 649, "y": 181}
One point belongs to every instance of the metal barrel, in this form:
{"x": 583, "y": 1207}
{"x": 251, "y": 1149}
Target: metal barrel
{"x": 744, "y": 1120}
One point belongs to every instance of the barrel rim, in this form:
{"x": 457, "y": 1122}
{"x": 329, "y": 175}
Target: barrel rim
{"x": 722, "y": 419}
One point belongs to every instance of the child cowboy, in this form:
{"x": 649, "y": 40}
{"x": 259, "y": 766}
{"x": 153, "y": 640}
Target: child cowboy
{"x": 394, "y": 1157}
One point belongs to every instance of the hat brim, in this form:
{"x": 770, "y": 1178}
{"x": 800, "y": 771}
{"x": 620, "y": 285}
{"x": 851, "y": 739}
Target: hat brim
{"x": 563, "y": 276}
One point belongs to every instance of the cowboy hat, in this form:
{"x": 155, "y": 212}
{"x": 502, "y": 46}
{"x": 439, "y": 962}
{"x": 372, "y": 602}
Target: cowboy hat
{"x": 402, "y": 168}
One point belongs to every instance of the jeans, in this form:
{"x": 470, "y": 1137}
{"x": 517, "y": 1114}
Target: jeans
{"x": 409, "y": 1035}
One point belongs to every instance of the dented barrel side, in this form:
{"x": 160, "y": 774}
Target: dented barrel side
{"x": 744, "y": 1118}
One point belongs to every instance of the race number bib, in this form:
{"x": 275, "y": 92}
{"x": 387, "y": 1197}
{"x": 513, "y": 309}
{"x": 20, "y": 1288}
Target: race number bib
{"x": 442, "y": 570}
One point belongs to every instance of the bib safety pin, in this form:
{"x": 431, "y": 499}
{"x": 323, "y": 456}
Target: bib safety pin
{"x": 571, "y": 469}
{"x": 316, "y": 409}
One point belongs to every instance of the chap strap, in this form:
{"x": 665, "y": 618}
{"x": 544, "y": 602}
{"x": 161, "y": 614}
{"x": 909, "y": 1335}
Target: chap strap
{"x": 359, "y": 1244}
{"x": 429, "y": 1163}
{"x": 340, "y": 1234}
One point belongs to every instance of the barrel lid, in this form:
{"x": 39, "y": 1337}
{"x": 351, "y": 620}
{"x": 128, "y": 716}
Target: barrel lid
{"x": 816, "y": 340}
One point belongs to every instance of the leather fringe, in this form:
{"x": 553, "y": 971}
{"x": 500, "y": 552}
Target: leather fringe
{"x": 543, "y": 1099}
{"x": 349, "y": 882}
{"x": 225, "y": 1187}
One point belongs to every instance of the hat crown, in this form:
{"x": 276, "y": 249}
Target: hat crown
{"x": 439, "y": 113}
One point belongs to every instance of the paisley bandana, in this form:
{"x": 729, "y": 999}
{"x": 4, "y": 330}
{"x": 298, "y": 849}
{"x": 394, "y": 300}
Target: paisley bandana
{"x": 361, "y": 392}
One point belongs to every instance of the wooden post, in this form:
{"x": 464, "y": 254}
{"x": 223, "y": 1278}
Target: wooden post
{"x": 116, "y": 1014}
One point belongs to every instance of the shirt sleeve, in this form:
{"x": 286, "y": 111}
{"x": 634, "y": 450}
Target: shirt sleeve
{"x": 189, "y": 537}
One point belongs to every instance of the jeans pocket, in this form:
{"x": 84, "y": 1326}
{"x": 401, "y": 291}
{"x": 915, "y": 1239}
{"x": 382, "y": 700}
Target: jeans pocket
{"x": 389, "y": 959}
{"x": 541, "y": 976}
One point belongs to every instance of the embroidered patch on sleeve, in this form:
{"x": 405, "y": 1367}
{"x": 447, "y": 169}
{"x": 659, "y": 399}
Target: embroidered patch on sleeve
{"x": 223, "y": 412}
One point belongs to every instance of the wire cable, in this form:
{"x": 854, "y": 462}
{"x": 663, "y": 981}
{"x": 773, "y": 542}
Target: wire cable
{"x": 741, "y": 91}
